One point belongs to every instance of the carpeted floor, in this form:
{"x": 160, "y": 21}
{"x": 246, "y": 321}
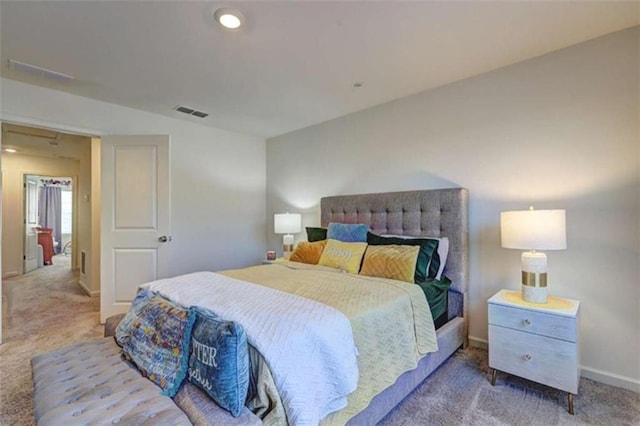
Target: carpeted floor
{"x": 460, "y": 393}
{"x": 45, "y": 310}
{"x": 42, "y": 311}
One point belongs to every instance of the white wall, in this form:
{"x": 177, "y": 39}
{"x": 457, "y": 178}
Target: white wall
{"x": 14, "y": 167}
{"x": 217, "y": 177}
{"x": 557, "y": 131}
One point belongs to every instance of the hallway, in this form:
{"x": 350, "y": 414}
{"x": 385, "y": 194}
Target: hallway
{"x": 39, "y": 299}
{"x": 42, "y": 311}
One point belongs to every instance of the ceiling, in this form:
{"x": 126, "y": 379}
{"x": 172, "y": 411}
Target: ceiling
{"x": 41, "y": 142}
{"x": 294, "y": 63}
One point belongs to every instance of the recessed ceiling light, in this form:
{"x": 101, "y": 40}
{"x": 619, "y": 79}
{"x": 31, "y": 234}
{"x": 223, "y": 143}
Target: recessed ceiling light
{"x": 231, "y": 19}
{"x": 11, "y": 150}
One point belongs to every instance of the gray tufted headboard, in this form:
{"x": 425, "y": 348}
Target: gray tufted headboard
{"x": 428, "y": 213}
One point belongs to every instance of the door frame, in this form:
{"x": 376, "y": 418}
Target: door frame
{"x": 30, "y": 121}
{"x": 74, "y": 217}
{"x": 27, "y": 262}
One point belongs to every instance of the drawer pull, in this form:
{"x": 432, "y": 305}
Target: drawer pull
{"x": 527, "y": 357}
{"x": 526, "y": 321}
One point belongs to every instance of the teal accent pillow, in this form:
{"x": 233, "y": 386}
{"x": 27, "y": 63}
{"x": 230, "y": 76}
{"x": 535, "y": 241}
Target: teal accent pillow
{"x": 316, "y": 234}
{"x": 219, "y": 360}
{"x": 348, "y": 232}
{"x": 124, "y": 327}
{"x": 428, "y": 261}
{"x": 159, "y": 343}
{"x": 437, "y": 294}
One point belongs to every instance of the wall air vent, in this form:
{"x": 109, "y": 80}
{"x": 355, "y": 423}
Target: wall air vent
{"x": 39, "y": 71}
{"x": 191, "y": 111}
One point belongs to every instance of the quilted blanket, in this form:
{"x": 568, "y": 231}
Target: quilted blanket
{"x": 307, "y": 345}
{"x": 391, "y": 322}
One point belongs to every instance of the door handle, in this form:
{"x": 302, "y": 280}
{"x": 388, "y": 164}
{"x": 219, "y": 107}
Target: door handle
{"x": 164, "y": 239}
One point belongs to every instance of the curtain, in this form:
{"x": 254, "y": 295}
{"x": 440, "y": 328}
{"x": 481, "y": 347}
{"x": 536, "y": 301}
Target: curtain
{"x": 50, "y": 212}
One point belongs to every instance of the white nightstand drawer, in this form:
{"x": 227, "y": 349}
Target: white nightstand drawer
{"x": 544, "y": 324}
{"x": 534, "y": 357}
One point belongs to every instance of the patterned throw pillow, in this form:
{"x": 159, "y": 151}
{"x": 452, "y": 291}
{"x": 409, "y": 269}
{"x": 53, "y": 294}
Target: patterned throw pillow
{"x": 428, "y": 260}
{"x": 124, "y": 326}
{"x": 394, "y": 261}
{"x": 443, "y": 249}
{"x": 348, "y": 232}
{"x": 306, "y": 252}
{"x": 343, "y": 256}
{"x": 316, "y": 234}
{"x": 219, "y": 360}
{"x": 159, "y": 343}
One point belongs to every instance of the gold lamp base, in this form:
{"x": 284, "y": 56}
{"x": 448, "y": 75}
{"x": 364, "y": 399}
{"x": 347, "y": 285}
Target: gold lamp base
{"x": 534, "y": 277}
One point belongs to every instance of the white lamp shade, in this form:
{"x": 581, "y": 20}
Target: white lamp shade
{"x": 287, "y": 223}
{"x": 533, "y": 229}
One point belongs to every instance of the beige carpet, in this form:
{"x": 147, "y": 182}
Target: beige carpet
{"x": 45, "y": 310}
{"x": 460, "y": 393}
{"x": 42, "y": 310}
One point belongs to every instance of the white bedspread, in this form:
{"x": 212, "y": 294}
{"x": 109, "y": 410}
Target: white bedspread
{"x": 308, "y": 346}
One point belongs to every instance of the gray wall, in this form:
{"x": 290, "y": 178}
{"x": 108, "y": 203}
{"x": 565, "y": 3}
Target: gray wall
{"x": 557, "y": 131}
{"x": 217, "y": 177}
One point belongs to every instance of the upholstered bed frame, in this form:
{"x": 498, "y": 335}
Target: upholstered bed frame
{"x": 429, "y": 213}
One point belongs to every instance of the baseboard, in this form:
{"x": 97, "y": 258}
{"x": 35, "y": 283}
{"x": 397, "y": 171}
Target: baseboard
{"x": 611, "y": 378}
{"x": 10, "y": 274}
{"x": 86, "y": 289}
{"x": 477, "y": 342}
{"x": 588, "y": 372}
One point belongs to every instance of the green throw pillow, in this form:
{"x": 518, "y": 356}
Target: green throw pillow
{"x": 437, "y": 293}
{"x": 316, "y": 234}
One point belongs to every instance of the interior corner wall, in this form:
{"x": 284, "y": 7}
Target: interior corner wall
{"x": 15, "y": 166}
{"x": 217, "y": 177}
{"x": 557, "y": 131}
{"x": 82, "y": 243}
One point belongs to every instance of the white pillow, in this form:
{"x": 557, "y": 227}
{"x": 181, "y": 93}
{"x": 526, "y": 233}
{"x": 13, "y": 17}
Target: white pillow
{"x": 443, "y": 249}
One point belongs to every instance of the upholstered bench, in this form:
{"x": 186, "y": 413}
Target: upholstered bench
{"x": 89, "y": 383}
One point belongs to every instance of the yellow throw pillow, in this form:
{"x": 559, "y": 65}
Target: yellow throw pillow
{"x": 343, "y": 256}
{"x": 307, "y": 252}
{"x": 393, "y": 261}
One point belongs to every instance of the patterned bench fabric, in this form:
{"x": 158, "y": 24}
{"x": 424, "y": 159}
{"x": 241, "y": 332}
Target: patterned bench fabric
{"x": 89, "y": 383}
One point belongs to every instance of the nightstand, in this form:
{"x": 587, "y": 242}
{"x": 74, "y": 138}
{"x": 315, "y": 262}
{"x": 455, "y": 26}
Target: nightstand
{"x": 538, "y": 342}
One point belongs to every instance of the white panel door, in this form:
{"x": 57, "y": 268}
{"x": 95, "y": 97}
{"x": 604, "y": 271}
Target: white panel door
{"x": 135, "y": 217}
{"x": 30, "y": 223}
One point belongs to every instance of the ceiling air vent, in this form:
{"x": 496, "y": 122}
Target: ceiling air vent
{"x": 191, "y": 111}
{"x": 38, "y": 71}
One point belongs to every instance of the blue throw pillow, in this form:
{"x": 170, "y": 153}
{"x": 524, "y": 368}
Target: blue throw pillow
{"x": 159, "y": 343}
{"x": 348, "y": 232}
{"x": 219, "y": 360}
{"x": 123, "y": 330}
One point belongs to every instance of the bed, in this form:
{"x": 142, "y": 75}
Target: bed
{"x": 386, "y": 373}
{"x": 433, "y": 213}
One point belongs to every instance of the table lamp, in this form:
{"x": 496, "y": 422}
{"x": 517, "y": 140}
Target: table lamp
{"x": 287, "y": 223}
{"x": 534, "y": 230}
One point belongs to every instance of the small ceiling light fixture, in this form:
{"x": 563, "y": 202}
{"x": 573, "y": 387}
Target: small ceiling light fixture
{"x": 10, "y": 150}
{"x": 231, "y": 19}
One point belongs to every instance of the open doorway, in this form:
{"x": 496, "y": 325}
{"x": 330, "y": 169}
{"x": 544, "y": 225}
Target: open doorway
{"x": 48, "y": 217}
{"x": 35, "y": 158}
